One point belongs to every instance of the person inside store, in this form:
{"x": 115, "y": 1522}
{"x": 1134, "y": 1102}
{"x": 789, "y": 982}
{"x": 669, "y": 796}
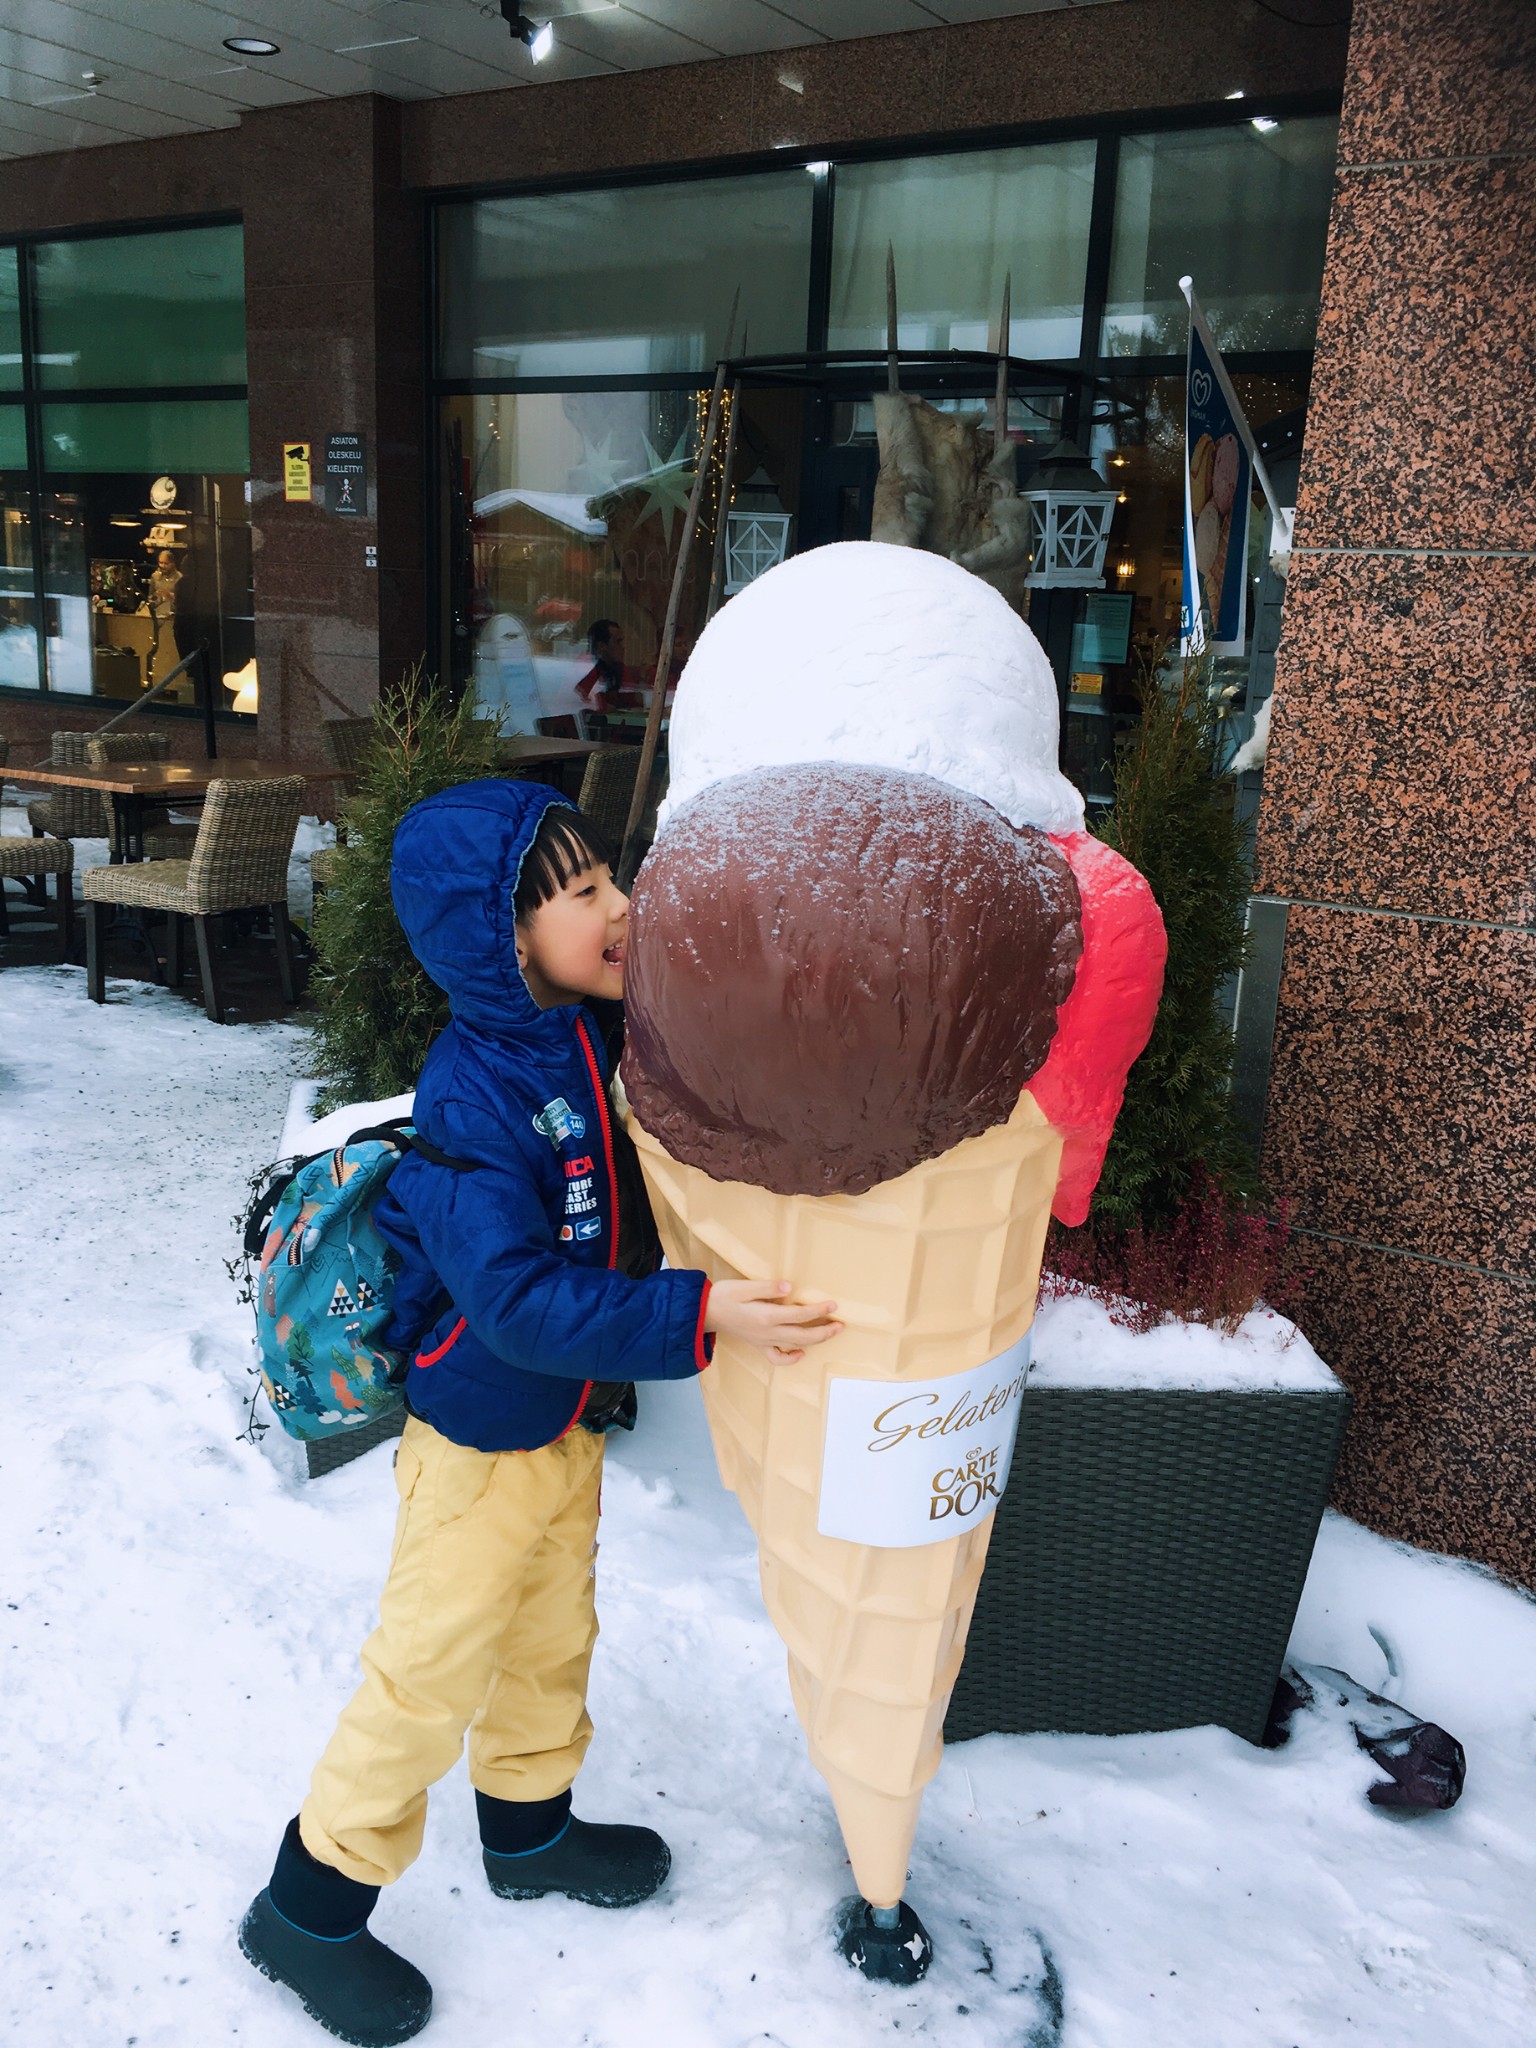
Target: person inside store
{"x": 164, "y": 581}
{"x": 608, "y": 685}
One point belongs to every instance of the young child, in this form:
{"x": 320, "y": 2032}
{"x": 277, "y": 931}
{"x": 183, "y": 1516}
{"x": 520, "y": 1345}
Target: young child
{"x": 522, "y": 1334}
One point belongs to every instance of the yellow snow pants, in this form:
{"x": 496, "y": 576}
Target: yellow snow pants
{"x": 486, "y": 1624}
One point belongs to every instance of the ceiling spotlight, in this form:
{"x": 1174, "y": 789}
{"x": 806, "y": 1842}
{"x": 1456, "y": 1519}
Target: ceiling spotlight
{"x": 1264, "y": 123}
{"x": 251, "y": 46}
{"x": 539, "y": 36}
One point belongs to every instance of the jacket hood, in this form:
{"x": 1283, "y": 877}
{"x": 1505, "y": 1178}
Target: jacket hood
{"x": 453, "y": 875}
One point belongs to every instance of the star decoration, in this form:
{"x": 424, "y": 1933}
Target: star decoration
{"x": 670, "y": 484}
{"x": 597, "y": 471}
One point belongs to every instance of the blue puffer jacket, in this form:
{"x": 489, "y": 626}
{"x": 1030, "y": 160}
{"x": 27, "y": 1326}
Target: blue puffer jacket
{"x": 507, "y": 1301}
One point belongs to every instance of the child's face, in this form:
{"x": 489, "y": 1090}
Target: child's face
{"x": 573, "y": 945}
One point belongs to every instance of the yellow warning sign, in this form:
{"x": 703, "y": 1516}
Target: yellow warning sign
{"x": 296, "y": 472}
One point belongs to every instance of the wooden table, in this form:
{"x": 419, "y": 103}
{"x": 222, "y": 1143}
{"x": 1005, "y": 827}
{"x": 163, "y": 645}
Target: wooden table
{"x": 132, "y": 785}
{"x": 539, "y": 750}
{"x": 522, "y": 749}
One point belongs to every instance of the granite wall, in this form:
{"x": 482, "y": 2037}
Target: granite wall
{"x": 1398, "y": 820}
{"x": 334, "y": 296}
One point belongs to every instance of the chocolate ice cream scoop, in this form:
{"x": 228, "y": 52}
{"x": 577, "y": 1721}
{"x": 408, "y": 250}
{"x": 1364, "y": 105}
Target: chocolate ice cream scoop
{"x": 835, "y": 973}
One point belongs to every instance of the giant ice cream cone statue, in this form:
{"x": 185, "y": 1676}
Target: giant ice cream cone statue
{"x": 880, "y": 1021}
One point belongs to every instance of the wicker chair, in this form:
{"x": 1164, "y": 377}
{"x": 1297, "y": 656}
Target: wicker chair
{"x": 162, "y": 839}
{"x": 67, "y": 813}
{"x": 239, "y": 862}
{"x": 347, "y": 742}
{"x": 608, "y": 790}
{"x": 325, "y": 866}
{"x": 25, "y": 860}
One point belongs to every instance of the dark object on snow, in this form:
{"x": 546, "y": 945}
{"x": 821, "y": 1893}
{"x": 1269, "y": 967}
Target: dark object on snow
{"x": 308, "y": 1930}
{"x": 1426, "y": 1767}
{"x": 594, "y": 1864}
{"x": 895, "y": 1954}
{"x": 1146, "y": 1560}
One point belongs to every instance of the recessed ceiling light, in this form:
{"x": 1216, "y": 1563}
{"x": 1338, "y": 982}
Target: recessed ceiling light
{"x": 251, "y": 46}
{"x": 1264, "y": 123}
{"x": 1238, "y": 95}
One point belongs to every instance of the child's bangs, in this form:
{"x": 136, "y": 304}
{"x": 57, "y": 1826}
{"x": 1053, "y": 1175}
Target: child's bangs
{"x": 567, "y": 844}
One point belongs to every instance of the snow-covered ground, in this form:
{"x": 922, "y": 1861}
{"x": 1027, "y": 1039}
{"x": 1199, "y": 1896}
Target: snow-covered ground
{"x": 181, "y": 1620}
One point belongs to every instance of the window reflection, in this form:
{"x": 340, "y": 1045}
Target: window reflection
{"x": 566, "y": 513}
{"x": 632, "y": 281}
{"x": 958, "y": 225}
{"x": 1242, "y": 210}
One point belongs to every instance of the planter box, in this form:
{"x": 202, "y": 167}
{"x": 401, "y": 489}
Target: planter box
{"x": 1148, "y": 1558}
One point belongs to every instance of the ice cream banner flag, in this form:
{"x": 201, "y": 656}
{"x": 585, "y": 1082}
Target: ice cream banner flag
{"x": 1218, "y": 487}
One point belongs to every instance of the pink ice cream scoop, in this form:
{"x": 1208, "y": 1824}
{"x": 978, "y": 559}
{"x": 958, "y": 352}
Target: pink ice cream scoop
{"x": 1228, "y": 468}
{"x": 1105, "y": 1022}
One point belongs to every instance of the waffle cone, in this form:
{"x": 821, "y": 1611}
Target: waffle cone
{"x": 934, "y": 1273}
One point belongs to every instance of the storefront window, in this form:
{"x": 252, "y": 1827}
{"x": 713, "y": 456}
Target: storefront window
{"x": 1116, "y": 633}
{"x": 145, "y": 504}
{"x": 636, "y": 281}
{"x": 140, "y": 569}
{"x": 958, "y": 225}
{"x": 1244, "y": 211}
{"x": 565, "y": 516}
{"x": 131, "y": 310}
{"x": 10, "y": 323}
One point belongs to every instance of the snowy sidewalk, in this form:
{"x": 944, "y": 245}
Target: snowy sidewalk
{"x": 182, "y": 1616}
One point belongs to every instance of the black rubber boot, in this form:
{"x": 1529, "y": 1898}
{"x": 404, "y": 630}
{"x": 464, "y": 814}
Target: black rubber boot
{"x": 597, "y": 1865}
{"x": 897, "y": 1953}
{"x": 308, "y": 1930}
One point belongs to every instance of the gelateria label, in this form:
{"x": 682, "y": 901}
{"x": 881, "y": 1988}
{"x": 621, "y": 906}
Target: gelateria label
{"x": 917, "y": 1461}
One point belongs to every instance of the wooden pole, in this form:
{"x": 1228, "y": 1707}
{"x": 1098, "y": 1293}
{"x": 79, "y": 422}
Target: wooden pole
{"x": 627, "y": 861}
{"x": 892, "y": 373}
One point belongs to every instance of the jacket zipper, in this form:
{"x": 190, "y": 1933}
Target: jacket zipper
{"x": 601, "y": 1095}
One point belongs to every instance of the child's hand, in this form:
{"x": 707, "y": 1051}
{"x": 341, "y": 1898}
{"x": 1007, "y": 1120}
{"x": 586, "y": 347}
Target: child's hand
{"x": 765, "y": 1313}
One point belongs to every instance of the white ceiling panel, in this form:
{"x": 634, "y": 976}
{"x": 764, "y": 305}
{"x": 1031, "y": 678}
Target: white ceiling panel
{"x": 627, "y": 41}
{"x": 164, "y": 69}
{"x": 832, "y": 20}
{"x": 956, "y": 11}
{"x": 733, "y": 28}
{"x": 35, "y": 128}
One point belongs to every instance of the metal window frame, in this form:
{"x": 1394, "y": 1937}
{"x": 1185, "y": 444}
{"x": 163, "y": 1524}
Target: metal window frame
{"x": 1077, "y": 374}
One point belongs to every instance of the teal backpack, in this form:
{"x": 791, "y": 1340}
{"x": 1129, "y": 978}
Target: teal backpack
{"x": 323, "y": 1283}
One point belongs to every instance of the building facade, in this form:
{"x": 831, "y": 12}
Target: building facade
{"x": 387, "y": 383}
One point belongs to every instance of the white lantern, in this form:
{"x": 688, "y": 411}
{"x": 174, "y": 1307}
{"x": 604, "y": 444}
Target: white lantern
{"x": 1070, "y": 510}
{"x": 754, "y": 542}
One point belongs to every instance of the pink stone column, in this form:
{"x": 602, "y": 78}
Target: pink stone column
{"x": 1399, "y": 812}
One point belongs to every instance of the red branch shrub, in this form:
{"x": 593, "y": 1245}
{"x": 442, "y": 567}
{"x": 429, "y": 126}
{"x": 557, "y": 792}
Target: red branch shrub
{"x": 1210, "y": 1262}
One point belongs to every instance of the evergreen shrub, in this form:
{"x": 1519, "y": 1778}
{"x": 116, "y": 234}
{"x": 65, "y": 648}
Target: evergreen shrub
{"x": 1177, "y": 1223}
{"x": 379, "y": 1011}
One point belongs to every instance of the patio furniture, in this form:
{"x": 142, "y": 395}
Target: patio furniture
{"x": 325, "y": 865}
{"x": 347, "y": 742}
{"x": 66, "y": 813}
{"x": 161, "y": 839}
{"x": 132, "y": 787}
{"x": 607, "y": 790}
{"x": 239, "y": 862}
{"x": 23, "y": 860}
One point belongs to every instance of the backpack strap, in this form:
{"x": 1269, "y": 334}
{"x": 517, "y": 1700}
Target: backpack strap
{"x": 399, "y": 1132}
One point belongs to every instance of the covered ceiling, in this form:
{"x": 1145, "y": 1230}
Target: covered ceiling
{"x": 74, "y": 73}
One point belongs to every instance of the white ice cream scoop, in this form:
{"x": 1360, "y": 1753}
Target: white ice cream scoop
{"x": 891, "y": 656}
